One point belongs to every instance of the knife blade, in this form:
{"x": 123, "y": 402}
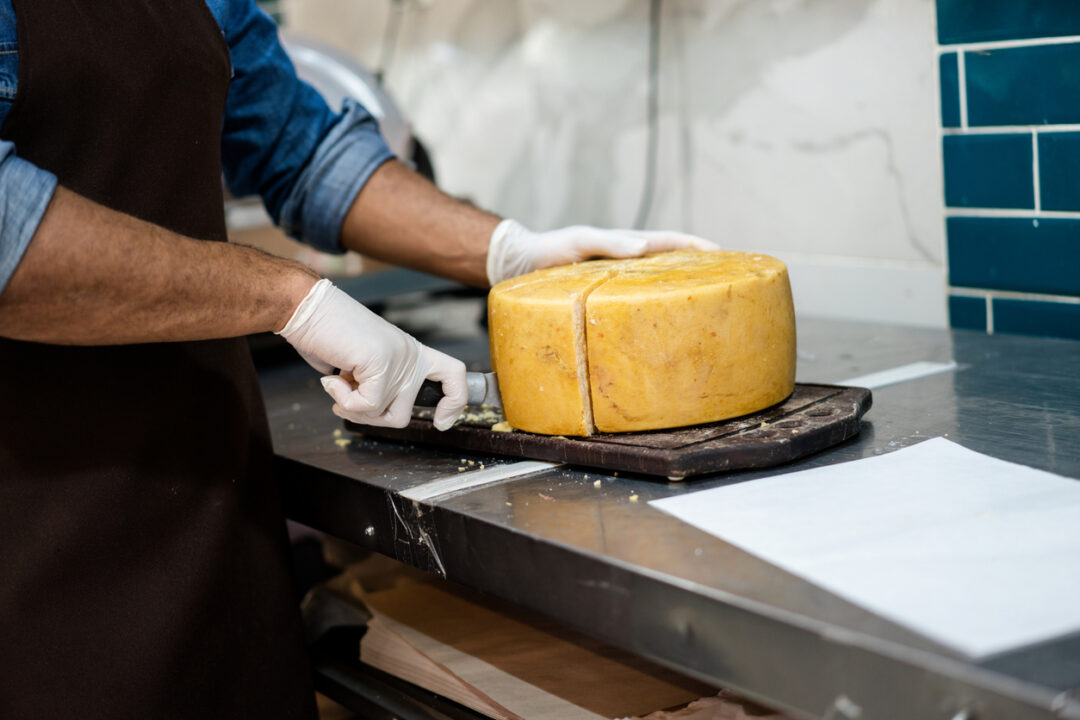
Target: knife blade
{"x": 483, "y": 390}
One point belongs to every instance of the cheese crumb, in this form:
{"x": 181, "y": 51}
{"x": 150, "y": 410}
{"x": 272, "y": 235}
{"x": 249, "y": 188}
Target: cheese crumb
{"x": 337, "y": 432}
{"x": 342, "y": 442}
{"x": 502, "y": 427}
{"x": 634, "y": 498}
{"x": 597, "y": 484}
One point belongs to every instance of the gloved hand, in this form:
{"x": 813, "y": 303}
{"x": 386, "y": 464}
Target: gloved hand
{"x": 514, "y": 250}
{"x": 331, "y": 330}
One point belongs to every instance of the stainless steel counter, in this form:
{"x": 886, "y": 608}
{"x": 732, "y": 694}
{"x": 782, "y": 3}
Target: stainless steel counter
{"x": 604, "y": 562}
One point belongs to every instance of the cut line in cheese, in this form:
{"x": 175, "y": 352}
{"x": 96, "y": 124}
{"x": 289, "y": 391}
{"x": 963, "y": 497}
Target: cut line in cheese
{"x": 668, "y": 340}
{"x": 581, "y": 341}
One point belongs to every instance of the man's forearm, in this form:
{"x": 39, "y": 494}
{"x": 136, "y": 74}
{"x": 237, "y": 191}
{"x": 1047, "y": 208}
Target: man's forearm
{"x": 93, "y": 276}
{"x": 401, "y": 218}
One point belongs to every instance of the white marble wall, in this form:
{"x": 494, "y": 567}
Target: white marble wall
{"x": 804, "y": 128}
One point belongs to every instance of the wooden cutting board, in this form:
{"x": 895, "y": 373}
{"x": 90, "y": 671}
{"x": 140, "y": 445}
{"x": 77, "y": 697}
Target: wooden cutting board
{"x": 814, "y": 417}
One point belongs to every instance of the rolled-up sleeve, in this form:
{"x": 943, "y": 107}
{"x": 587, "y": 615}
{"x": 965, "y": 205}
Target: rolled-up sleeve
{"x": 282, "y": 142}
{"x": 25, "y": 192}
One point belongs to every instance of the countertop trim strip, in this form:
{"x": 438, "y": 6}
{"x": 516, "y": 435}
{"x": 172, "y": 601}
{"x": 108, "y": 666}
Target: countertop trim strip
{"x": 476, "y": 478}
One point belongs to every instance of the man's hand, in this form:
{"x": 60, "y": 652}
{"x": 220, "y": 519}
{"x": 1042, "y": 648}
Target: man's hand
{"x": 514, "y": 250}
{"x": 332, "y": 331}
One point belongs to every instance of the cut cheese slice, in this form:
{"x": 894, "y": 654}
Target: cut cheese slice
{"x": 689, "y": 337}
{"x": 669, "y": 340}
{"x": 537, "y": 327}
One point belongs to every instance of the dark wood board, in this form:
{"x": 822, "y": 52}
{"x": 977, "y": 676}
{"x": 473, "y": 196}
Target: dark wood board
{"x": 814, "y": 417}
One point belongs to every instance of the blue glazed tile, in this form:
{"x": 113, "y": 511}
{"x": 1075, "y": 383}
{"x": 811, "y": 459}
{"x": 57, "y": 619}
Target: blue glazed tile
{"x": 1059, "y": 170}
{"x": 988, "y": 171}
{"x": 1036, "y": 317}
{"x": 976, "y": 21}
{"x": 968, "y": 313}
{"x": 949, "y": 77}
{"x": 1023, "y": 86}
{"x": 1020, "y": 254}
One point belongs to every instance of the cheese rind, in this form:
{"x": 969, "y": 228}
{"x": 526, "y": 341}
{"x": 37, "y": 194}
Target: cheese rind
{"x": 669, "y": 340}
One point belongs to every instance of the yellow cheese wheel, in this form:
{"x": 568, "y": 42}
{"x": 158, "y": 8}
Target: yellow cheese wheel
{"x": 669, "y": 340}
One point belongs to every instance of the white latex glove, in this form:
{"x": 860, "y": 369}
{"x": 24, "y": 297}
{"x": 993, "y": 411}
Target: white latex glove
{"x": 514, "y": 250}
{"x": 331, "y": 330}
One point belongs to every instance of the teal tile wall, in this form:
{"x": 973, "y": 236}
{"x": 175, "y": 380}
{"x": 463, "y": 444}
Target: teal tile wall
{"x": 950, "y": 90}
{"x": 1015, "y": 254}
{"x": 1031, "y": 317}
{"x": 1009, "y": 81}
{"x": 965, "y": 21}
{"x": 988, "y": 171}
{"x": 968, "y": 313}
{"x": 1036, "y": 85}
{"x": 1059, "y": 170}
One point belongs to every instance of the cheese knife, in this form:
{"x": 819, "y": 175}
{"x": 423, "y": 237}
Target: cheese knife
{"x": 483, "y": 390}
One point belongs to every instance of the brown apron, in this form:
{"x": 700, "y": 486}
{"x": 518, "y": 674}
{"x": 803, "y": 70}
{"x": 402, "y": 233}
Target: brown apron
{"x": 143, "y": 568}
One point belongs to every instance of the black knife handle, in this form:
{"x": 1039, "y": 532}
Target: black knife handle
{"x": 430, "y": 394}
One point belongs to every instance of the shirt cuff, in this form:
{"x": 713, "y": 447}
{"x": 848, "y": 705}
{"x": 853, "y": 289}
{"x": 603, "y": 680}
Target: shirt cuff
{"x": 351, "y": 151}
{"x": 25, "y": 192}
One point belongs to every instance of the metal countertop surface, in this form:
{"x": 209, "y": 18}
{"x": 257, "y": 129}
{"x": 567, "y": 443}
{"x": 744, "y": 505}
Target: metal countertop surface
{"x": 603, "y": 561}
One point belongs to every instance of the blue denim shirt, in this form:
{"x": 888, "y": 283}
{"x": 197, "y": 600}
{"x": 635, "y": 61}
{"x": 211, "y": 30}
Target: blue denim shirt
{"x": 279, "y": 140}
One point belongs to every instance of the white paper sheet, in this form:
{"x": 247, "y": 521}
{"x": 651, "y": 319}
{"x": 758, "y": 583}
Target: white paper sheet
{"x": 978, "y": 553}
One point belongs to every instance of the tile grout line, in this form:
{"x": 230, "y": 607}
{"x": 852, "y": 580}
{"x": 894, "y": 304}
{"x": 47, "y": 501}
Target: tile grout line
{"x": 1009, "y": 44}
{"x": 1010, "y": 129}
{"x": 1022, "y": 213}
{"x": 970, "y": 292}
{"x": 961, "y": 80}
{"x": 1035, "y": 170}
